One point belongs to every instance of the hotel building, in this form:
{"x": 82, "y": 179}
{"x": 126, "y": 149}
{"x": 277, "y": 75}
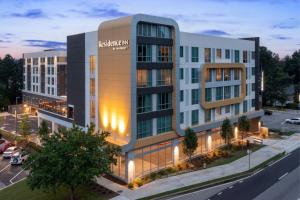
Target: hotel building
{"x": 144, "y": 81}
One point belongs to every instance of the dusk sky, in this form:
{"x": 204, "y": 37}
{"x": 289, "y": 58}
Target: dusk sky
{"x": 35, "y": 25}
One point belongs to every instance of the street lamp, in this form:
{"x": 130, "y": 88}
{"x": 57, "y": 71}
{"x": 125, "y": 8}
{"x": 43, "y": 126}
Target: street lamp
{"x": 16, "y": 116}
{"x": 249, "y": 152}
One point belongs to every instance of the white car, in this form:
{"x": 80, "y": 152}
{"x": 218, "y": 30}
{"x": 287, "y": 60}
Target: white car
{"x": 9, "y": 152}
{"x": 18, "y": 158}
{"x": 293, "y": 121}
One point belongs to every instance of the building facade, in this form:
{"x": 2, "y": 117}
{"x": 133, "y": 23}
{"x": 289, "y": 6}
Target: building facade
{"x": 145, "y": 82}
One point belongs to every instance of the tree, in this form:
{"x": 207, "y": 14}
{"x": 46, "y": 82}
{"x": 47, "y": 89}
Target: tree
{"x": 244, "y": 127}
{"x": 190, "y": 143}
{"x": 69, "y": 158}
{"x": 227, "y": 131}
{"x": 25, "y": 127}
{"x": 43, "y": 130}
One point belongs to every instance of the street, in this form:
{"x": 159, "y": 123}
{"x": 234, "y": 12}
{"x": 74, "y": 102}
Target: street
{"x": 280, "y": 180}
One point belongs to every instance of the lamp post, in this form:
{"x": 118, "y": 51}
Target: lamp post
{"x": 249, "y": 152}
{"x": 16, "y": 116}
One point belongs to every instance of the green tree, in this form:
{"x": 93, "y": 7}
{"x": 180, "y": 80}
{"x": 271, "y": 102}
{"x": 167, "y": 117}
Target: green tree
{"x": 43, "y": 130}
{"x": 190, "y": 143}
{"x": 25, "y": 127}
{"x": 227, "y": 131}
{"x": 244, "y": 127}
{"x": 70, "y": 158}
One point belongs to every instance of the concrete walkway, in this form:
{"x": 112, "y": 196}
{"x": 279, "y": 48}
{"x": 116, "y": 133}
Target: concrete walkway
{"x": 273, "y": 148}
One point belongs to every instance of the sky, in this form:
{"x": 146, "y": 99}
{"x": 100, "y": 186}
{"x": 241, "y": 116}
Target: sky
{"x": 35, "y": 25}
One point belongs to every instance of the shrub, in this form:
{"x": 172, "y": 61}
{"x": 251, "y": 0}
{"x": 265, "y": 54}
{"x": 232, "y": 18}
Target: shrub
{"x": 138, "y": 182}
{"x": 130, "y": 185}
{"x": 153, "y": 176}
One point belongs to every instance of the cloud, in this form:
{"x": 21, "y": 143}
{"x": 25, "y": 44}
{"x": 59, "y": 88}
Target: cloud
{"x": 45, "y": 44}
{"x": 104, "y": 10}
{"x": 32, "y": 14}
{"x": 290, "y": 23}
{"x": 5, "y": 41}
{"x": 215, "y": 32}
{"x": 281, "y": 37}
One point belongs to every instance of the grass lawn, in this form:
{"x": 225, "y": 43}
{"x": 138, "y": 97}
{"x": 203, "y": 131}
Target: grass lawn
{"x": 21, "y": 191}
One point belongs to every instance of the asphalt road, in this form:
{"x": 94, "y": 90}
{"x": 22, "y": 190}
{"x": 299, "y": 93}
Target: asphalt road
{"x": 275, "y": 121}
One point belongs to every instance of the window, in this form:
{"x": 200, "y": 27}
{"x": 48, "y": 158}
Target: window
{"x": 52, "y": 70}
{"x": 144, "y": 78}
{"x": 227, "y": 109}
{"x": 245, "y": 59}
{"x": 237, "y": 109}
{"x": 164, "y": 101}
{"x": 237, "y": 56}
{"x": 92, "y": 64}
{"x": 208, "y": 95}
{"x": 207, "y": 115}
{"x": 61, "y": 59}
{"x": 164, "y": 77}
{"x": 144, "y": 103}
{"x": 227, "y": 92}
{"x": 227, "y": 53}
{"x": 182, "y": 118}
{"x": 195, "y": 117}
{"x": 236, "y": 74}
{"x": 35, "y": 61}
{"x": 181, "y": 74}
{"x": 207, "y": 55}
{"x": 144, "y": 53}
{"x": 164, "y": 53}
{"x": 181, "y": 51}
{"x": 92, "y": 109}
{"x": 144, "y": 29}
{"x": 219, "y": 74}
{"x": 164, "y": 124}
{"x": 253, "y": 103}
{"x": 236, "y": 91}
{"x": 219, "y": 93}
{"x": 227, "y": 74}
{"x": 181, "y": 96}
{"x": 42, "y": 60}
{"x": 48, "y": 88}
{"x": 247, "y": 92}
{"x": 49, "y": 70}
{"x": 253, "y": 71}
{"x": 144, "y": 128}
{"x": 195, "y": 96}
{"x": 28, "y": 60}
{"x": 253, "y": 87}
{"x": 195, "y": 54}
{"x": 163, "y": 31}
{"x": 48, "y": 80}
{"x": 208, "y": 75}
{"x": 52, "y": 91}
{"x": 92, "y": 87}
{"x": 52, "y": 81}
{"x": 253, "y": 55}
{"x": 219, "y": 53}
{"x": 195, "y": 75}
{"x": 50, "y": 60}
{"x": 245, "y": 106}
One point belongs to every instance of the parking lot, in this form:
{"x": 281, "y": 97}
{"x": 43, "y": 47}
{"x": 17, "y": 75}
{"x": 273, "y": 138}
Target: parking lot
{"x": 276, "y": 121}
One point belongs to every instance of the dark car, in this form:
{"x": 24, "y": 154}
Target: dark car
{"x": 268, "y": 112}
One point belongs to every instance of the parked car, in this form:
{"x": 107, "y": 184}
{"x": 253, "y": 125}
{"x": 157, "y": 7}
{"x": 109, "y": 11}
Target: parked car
{"x": 4, "y": 145}
{"x": 293, "y": 121}
{"x": 18, "y": 158}
{"x": 268, "y": 112}
{"x": 9, "y": 152}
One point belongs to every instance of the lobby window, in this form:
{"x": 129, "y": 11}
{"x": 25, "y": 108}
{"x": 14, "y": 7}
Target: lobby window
{"x": 144, "y": 103}
{"x": 245, "y": 59}
{"x": 253, "y": 87}
{"x": 92, "y": 64}
{"x": 227, "y": 53}
{"x": 237, "y": 109}
{"x": 92, "y": 87}
{"x": 253, "y": 55}
{"x": 164, "y": 124}
{"x": 181, "y": 95}
{"x": 195, "y": 117}
{"x": 219, "y": 93}
{"x": 144, "y": 78}
{"x": 208, "y": 75}
{"x": 181, "y": 74}
{"x": 163, "y": 31}
{"x": 195, "y": 96}
{"x": 207, "y": 55}
{"x": 253, "y": 71}
{"x": 163, "y": 77}
{"x": 236, "y": 91}
{"x": 182, "y": 118}
{"x": 181, "y": 51}
{"x": 227, "y": 74}
{"x": 219, "y": 53}
{"x": 144, "y": 128}
{"x": 164, "y": 101}
{"x": 207, "y": 115}
{"x": 236, "y": 56}
{"x": 245, "y": 106}
{"x": 195, "y": 54}
{"x": 208, "y": 94}
{"x": 253, "y": 103}
{"x": 164, "y": 53}
{"x": 50, "y": 60}
{"x": 144, "y": 53}
{"x": 236, "y": 74}
{"x": 227, "y": 92}
{"x": 195, "y": 75}
{"x": 219, "y": 74}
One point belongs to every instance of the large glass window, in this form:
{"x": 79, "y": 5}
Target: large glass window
{"x": 61, "y": 59}
{"x": 181, "y": 96}
{"x": 208, "y": 95}
{"x": 237, "y": 109}
{"x": 195, "y": 75}
{"x": 163, "y": 31}
{"x": 181, "y": 51}
{"x": 219, "y": 74}
{"x": 92, "y": 109}
{"x": 92, "y": 87}
{"x": 236, "y": 73}
{"x": 164, "y": 53}
{"x": 207, "y": 55}
{"x": 253, "y": 87}
{"x": 227, "y": 53}
{"x": 245, "y": 106}
{"x": 236, "y": 91}
{"x": 253, "y": 71}
{"x": 144, "y": 29}
{"x": 50, "y": 60}
{"x": 195, "y": 117}
{"x": 92, "y": 64}
{"x": 195, "y": 96}
{"x": 144, "y": 53}
{"x": 164, "y": 124}
{"x": 207, "y": 115}
{"x": 227, "y": 74}
{"x": 182, "y": 118}
{"x": 219, "y": 93}
{"x": 164, "y": 101}
{"x": 35, "y": 61}
{"x": 219, "y": 53}
{"x": 144, "y": 78}
{"x": 144, "y": 128}
{"x": 195, "y": 54}
{"x": 253, "y": 103}
{"x": 144, "y": 103}
{"x": 208, "y": 75}
{"x": 237, "y": 56}
{"x": 164, "y": 77}
{"x": 181, "y": 74}
{"x": 245, "y": 57}
{"x": 227, "y": 92}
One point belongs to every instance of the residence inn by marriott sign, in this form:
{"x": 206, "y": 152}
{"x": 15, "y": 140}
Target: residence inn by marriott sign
{"x": 115, "y": 44}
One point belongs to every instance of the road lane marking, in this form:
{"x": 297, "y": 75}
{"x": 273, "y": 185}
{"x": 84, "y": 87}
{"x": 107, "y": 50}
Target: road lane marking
{"x": 4, "y": 168}
{"x": 257, "y": 172}
{"x": 281, "y": 177}
{"x": 231, "y": 187}
{"x": 220, "y": 193}
{"x": 15, "y": 176}
{"x": 280, "y": 159}
{"x": 241, "y": 181}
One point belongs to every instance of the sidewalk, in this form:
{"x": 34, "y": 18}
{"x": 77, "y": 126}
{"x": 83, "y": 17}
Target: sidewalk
{"x": 273, "y": 148}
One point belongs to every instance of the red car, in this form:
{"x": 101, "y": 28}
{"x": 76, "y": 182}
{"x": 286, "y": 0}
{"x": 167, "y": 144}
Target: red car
{"x": 4, "y": 145}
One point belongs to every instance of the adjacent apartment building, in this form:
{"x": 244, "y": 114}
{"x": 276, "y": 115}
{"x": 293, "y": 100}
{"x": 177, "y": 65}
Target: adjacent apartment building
{"x": 144, "y": 81}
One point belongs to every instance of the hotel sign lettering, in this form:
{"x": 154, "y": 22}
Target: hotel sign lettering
{"x": 115, "y": 44}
